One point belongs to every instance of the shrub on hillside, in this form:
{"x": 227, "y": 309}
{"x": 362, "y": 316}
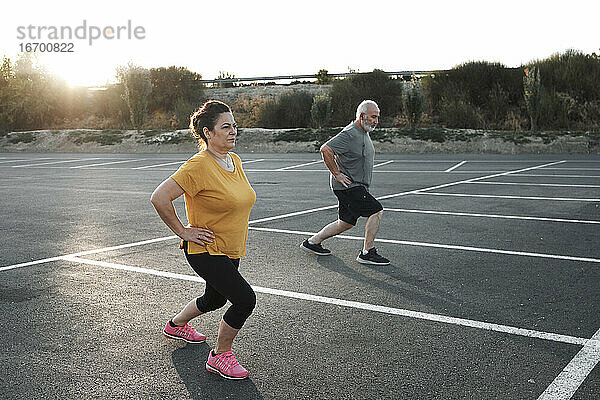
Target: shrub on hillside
{"x": 320, "y": 111}
{"x": 346, "y": 95}
{"x": 290, "y": 110}
{"x": 488, "y": 89}
{"x": 413, "y": 103}
{"x": 247, "y": 110}
{"x": 457, "y": 112}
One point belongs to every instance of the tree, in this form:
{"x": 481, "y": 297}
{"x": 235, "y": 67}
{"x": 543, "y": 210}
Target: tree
{"x": 346, "y": 94}
{"x": 6, "y": 95}
{"x": 323, "y": 77}
{"x": 169, "y": 85}
{"x": 137, "y": 88}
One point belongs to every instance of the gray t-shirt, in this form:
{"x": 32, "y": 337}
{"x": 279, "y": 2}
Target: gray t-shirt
{"x": 354, "y": 155}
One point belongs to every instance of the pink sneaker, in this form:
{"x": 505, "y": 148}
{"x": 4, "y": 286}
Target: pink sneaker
{"x": 226, "y": 365}
{"x": 186, "y": 333}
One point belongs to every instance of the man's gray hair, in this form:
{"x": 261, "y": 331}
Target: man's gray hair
{"x": 364, "y": 107}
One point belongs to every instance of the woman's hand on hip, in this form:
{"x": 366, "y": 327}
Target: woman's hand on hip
{"x": 201, "y": 236}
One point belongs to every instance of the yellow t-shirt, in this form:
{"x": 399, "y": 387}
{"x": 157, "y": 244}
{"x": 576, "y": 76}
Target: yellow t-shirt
{"x": 218, "y": 200}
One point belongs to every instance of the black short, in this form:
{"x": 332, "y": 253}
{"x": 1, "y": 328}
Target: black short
{"x": 356, "y": 202}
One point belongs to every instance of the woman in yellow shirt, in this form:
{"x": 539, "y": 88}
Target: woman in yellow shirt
{"x": 218, "y": 200}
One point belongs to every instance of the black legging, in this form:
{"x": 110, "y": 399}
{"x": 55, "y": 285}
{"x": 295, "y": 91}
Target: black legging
{"x": 223, "y": 282}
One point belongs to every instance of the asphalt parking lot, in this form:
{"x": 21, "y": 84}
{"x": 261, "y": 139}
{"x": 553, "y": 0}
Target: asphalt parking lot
{"x": 493, "y": 291}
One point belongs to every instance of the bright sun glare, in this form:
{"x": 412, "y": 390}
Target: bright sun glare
{"x": 78, "y": 72}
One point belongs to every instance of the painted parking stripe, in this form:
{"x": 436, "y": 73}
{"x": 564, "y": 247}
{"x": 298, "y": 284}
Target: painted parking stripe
{"x": 534, "y": 184}
{"x": 572, "y": 376}
{"x": 56, "y": 162}
{"x": 558, "y": 176}
{"x": 445, "y": 185}
{"x": 299, "y": 165}
{"x": 383, "y": 163}
{"x": 522, "y": 217}
{"x": 440, "y": 246}
{"x": 575, "y": 169}
{"x": 253, "y": 161}
{"x": 455, "y": 166}
{"x": 508, "y": 197}
{"x": 363, "y": 306}
{"x": 109, "y": 163}
{"x": 27, "y": 159}
{"x": 87, "y": 252}
{"x": 160, "y": 165}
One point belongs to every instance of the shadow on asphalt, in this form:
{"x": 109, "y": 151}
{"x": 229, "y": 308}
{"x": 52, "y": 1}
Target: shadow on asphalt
{"x": 398, "y": 282}
{"x": 201, "y": 384}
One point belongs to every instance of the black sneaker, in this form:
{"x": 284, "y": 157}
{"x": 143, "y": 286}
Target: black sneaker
{"x": 372, "y": 258}
{"x": 314, "y": 248}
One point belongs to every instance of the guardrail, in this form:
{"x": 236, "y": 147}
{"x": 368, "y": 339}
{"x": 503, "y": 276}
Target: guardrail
{"x": 404, "y": 74}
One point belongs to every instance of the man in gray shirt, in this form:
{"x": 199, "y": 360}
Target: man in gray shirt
{"x": 350, "y": 156}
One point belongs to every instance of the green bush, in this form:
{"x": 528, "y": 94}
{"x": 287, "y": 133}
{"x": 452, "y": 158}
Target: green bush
{"x": 21, "y": 137}
{"x": 571, "y": 72}
{"x": 457, "y": 112}
{"x": 183, "y": 111}
{"x": 291, "y": 110}
{"x": 481, "y": 92}
{"x": 103, "y": 138}
{"x": 320, "y": 111}
{"x": 346, "y": 95}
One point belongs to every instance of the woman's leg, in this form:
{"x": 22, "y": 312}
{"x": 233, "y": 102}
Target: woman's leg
{"x": 189, "y": 312}
{"x": 223, "y": 282}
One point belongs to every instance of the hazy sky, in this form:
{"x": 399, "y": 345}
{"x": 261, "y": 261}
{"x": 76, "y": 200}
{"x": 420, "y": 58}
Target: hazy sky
{"x": 266, "y": 38}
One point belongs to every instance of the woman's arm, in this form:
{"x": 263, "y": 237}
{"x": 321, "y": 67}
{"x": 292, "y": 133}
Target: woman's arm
{"x": 162, "y": 199}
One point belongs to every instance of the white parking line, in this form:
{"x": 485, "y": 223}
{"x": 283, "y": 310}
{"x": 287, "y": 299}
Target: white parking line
{"x": 253, "y": 161}
{"x": 558, "y": 176}
{"x": 572, "y": 376}
{"x": 108, "y": 163}
{"x": 383, "y": 163}
{"x": 299, "y": 165}
{"x": 575, "y": 169}
{"x": 577, "y": 221}
{"x": 389, "y": 196}
{"x": 26, "y": 159}
{"x": 84, "y": 253}
{"x": 160, "y": 165}
{"x": 363, "y": 306}
{"x": 456, "y": 166}
{"x": 534, "y": 184}
{"x": 508, "y": 197}
{"x": 468, "y": 180}
{"x": 440, "y": 246}
{"x": 56, "y": 162}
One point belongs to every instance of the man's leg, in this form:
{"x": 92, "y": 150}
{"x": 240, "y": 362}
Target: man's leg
{"x": 371, "y": 229}
{"x": 334, "y": 228}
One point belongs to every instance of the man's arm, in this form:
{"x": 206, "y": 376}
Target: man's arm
{"x": 329, "y": 159}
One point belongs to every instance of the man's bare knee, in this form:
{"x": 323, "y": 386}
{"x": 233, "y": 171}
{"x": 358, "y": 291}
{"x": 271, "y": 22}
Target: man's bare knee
{"x": 344, "y": 225}
{"x": 377, "y": 215}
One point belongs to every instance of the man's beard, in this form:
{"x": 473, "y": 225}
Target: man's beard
{"x": 368, "y": 127}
